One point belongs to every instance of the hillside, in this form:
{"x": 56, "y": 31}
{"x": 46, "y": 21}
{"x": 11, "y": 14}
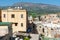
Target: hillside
{"x": 36, "y": 8}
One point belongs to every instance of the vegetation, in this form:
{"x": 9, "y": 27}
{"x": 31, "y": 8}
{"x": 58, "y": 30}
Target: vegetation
{"x": 26, "y": 38}
{"x": 36, "y": 8}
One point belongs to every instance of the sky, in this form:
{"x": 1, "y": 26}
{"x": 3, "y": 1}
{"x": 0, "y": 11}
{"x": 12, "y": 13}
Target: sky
{"x": 10, "y": 2}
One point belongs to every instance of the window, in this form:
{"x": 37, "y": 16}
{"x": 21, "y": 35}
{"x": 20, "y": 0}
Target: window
{"x": 53, "y": 16}
{"x": 4, "y": 15}
{"x": 51, "y": 28}
{"x": 40, "y": 26}
{"x": 12, "y": 16}
{"x": 16, "y": 24}
{"x": 45, "y": 16}
{"x": 21, "y": 15}
{"x": 43, "y": 30}
{"x": 21, "y": 24}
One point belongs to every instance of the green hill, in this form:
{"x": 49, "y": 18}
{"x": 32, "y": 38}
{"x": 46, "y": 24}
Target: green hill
{"x": 37, "y": 8}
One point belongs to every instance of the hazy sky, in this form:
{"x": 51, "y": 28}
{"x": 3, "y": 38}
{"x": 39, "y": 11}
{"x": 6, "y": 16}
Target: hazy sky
{"x": 10, "y": 2}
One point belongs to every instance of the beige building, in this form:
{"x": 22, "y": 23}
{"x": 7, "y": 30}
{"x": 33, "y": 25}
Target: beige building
{"x": 3, "y": 30}
{"x": 17, "y": 16}
{"x": 0, "y": 15}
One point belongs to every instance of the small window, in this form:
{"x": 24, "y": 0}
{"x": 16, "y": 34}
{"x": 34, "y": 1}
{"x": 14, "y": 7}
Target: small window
{"x": 45, "y": 16}
{"x": 4, "y": 15}
{"x": 43, "y": 30}
{"x": 16, "y": 24}
{"x": 53, "y": 16}
{"x": 12, "y": 16}
{"x": 21, "y": 15}
{"x": 51, "y": 28}
{"x": 21, "y": 24}
{"x": 40, "y": 26}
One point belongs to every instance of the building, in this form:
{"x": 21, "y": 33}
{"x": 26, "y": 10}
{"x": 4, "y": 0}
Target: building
{"x": 5, "y": 30}
{"x": 49, "y": 17}
{"x": 17, "y": 16}
{"x": 0, "y": 15}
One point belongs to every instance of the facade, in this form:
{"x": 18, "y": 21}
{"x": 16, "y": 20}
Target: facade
{"x": 5, "y": 30}
{"x": 48, "y": 29}
{"x": 49, "y": 16}
{"x": 0, "y": 15}
{"x": 17, "y": 16}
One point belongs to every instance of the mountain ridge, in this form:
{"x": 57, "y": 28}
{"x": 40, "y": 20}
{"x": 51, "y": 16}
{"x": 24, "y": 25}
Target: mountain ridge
{"x": 36, "y": 8}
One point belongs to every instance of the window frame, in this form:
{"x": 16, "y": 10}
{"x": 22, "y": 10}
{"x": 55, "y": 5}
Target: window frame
{"x": 21, "y": 15}
{"x": 12, "y": 15}
{"x": 4, "y": 15}
{"x": 21, "y": 24}
{"x": 16, "y": 24}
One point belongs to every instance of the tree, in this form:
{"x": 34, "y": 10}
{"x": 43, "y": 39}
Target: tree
{"x": 26, "y": 38}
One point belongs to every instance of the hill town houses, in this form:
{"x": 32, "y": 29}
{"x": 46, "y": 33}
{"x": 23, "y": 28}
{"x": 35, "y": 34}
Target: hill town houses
{"x": 49, "y": 25}
{"x": 15, "y": 21}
